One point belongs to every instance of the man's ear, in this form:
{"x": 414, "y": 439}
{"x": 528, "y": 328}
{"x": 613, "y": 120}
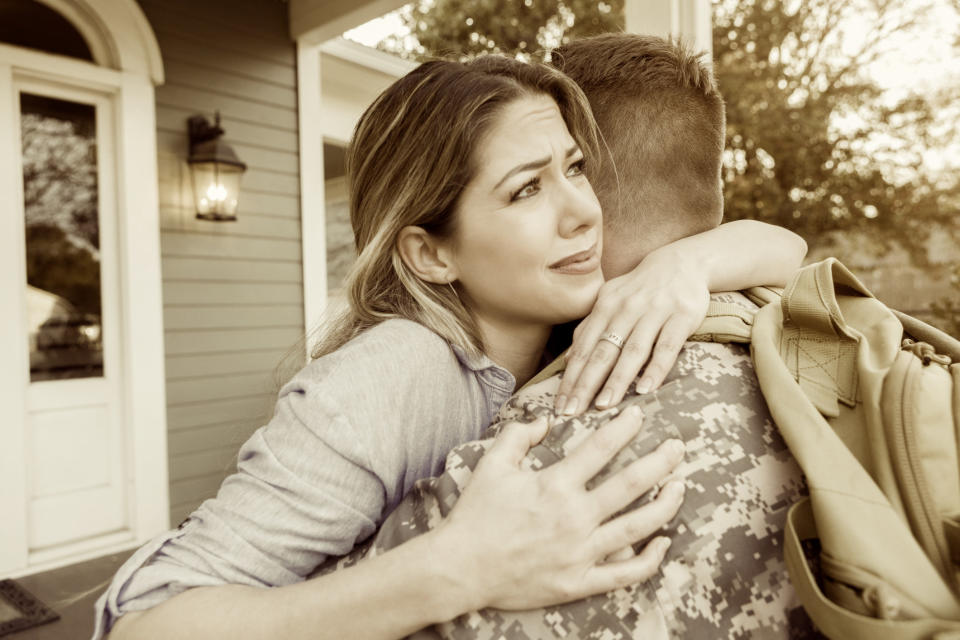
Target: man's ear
{"x": 426, "y": 255}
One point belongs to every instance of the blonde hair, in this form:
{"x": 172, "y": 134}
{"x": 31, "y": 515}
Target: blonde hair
{"x": 411, "y": 156}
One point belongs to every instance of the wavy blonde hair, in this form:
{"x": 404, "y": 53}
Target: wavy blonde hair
{"x": 411, "y": 156}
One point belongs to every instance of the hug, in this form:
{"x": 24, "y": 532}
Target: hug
{"x": 495, "y": 204}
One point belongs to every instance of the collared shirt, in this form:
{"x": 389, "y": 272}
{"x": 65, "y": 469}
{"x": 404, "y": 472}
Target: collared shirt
{"x": 351, "y": 433}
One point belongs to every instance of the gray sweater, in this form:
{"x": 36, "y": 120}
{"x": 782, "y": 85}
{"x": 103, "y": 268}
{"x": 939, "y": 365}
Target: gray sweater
{"x": 350, "y": 435}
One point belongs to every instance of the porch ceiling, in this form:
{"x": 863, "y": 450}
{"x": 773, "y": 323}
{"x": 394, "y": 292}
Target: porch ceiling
{"x": 315, "y": 21}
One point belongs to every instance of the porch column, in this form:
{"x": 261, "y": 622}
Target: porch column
{"x": 689, "y": 20}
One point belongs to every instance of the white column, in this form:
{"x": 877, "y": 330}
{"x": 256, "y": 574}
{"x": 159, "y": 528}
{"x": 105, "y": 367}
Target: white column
{"x": 312, "y": 208}
{"x": 689, "y": 20}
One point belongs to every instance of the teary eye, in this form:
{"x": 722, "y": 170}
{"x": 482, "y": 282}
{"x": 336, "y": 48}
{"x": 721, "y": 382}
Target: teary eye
{"x": 529, "y": 188}
{"x": 576, "y": 169}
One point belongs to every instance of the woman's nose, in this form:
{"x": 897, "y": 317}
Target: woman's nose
{"x": 579, "y": 208}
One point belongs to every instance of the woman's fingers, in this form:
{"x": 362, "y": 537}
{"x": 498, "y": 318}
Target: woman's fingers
{"x": 584, "y": 351}
{"x": 598, "y": 449}
{"x": 631, "y": 482}
{"x": 515, "y": 439}
{"x": 633, "y": 356}
{"x": 672, "y": 336}
{"x": 639, "y": 524}
{"x": 615, "y": 575}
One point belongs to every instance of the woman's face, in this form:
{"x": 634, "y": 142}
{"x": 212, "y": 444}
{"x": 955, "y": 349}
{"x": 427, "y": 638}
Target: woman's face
{"x": 528, "y": 228}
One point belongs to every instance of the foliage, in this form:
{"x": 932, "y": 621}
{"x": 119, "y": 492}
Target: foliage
{"x": 451, "y": 28}
{"x": 813, "y": 143}
{"x": 946, "y": 310}
{"x": 60, "y": 176}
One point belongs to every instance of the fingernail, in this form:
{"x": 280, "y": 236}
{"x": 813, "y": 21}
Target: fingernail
{"x": 675, "y": 450}
{"x": 643, "y": 387}
{"x": 604, "y": 400}
{"x": 663, "y": 544}
{"x": 559, "y": 403}
{"x": 634, "y": 411}
{"x": 570, "y": 408}
{"x": 676, "y": 489}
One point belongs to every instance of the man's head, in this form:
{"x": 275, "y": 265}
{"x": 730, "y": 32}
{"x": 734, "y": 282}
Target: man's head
{"x": 662, "y": 120}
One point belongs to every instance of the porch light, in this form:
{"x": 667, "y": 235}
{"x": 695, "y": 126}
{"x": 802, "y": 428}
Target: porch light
{"x": 215, "y": 170}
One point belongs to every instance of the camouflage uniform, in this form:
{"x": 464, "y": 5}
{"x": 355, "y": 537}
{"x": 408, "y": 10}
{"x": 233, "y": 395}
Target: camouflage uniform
{"x": 724, "y": 575}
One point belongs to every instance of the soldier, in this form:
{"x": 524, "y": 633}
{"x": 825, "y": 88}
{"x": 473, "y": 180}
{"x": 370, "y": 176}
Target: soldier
{"x": 723, "y": 577}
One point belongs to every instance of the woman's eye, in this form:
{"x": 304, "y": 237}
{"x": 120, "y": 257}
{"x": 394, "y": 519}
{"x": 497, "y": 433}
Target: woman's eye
{"x": 576, "y": 169}
{"x": 527, "y": 190}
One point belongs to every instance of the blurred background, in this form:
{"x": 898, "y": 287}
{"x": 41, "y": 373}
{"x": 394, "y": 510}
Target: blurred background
{"x": 841, "y": 121}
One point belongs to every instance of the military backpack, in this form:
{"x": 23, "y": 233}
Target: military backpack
{"x": 868, "y": 400}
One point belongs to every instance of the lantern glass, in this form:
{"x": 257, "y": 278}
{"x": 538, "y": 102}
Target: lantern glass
{"x": 216, "y": 187}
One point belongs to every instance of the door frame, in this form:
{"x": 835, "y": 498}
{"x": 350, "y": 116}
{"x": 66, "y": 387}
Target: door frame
{"x": 142, "y": 397}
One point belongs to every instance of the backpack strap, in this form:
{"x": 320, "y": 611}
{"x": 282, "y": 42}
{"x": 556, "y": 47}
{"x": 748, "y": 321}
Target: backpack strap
{"x": 817, "y": 346}
{"x": 941, "y": 341}
{"x": 834, "y": 620}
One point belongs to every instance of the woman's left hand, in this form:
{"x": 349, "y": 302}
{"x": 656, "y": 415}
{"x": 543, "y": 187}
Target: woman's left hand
{"x": 654, "y": 308}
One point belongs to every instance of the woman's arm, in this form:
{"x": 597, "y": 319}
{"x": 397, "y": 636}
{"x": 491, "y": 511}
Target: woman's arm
{"x": 515, "y": 539}
{"x": 663, "y": 301}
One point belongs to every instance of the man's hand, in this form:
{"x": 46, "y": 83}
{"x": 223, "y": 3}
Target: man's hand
{"x": 654, "y": 308}
{"x": 523, "y": 539}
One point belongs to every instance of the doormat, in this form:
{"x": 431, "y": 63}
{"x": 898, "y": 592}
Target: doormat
{"x": 19, "y": 610}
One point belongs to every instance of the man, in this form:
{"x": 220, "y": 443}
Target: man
{"x": 663, "y": 122}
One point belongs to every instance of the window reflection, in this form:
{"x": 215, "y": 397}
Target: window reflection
{"x": 62, "y": 238}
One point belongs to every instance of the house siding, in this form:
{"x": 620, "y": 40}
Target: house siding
{"x": 232, "y": 292}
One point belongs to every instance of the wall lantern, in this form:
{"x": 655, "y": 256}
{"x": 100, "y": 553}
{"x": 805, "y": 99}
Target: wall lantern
{"x": 215, "y": 170}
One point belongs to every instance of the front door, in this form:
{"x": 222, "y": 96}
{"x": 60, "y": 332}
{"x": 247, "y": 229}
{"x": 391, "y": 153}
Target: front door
{"x": 65, "y": 315}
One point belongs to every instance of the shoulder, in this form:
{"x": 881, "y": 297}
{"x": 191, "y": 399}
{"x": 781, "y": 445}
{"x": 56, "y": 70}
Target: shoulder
{"x": 379, "y": 369}
{"x": 394, "y": 350}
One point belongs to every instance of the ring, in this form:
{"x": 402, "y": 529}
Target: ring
{"x": 613, "y": 339}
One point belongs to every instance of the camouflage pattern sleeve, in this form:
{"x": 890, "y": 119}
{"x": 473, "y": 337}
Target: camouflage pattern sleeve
{"x": 724, "y": 575}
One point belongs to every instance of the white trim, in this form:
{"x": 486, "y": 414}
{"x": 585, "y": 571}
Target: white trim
{"x": 54, "y": 68}
{"x": 117, "y": 32}
{"x": 312, "y": 208}
{"x": 316, "y": 21}
{"x": 141, "y": 305}
{"x": 689, "y": 20}
{"x": 368, "y": 57}
{"x": 121, "y": 38}
{"x": 13, "y": 484}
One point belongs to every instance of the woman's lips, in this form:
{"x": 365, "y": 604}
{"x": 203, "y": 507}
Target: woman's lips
{"x": 579, "y": 263}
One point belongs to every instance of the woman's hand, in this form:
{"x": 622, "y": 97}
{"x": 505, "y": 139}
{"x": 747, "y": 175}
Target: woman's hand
{"x": 654, "y": 309}
{"x": 663, "y": 301}
{"x": 522, "y": 539}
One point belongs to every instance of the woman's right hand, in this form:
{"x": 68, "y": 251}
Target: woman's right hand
{"x": 523, "y": 539}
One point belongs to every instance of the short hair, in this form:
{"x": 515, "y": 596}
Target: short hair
{"x": 413, "y": 152}
{"x": 663, "y": 121}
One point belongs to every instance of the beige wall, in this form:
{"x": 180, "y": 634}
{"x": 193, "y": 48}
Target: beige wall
{"x": 232, "y": 292}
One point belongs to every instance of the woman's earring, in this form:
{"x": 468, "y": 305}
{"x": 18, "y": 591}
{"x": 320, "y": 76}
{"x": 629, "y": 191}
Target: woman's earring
{"x": 452, "y": 288}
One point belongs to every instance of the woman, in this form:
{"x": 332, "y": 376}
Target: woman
{"x": 477, "y": 232}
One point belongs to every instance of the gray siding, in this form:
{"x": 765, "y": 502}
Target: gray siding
{"x": 232, "y": 292}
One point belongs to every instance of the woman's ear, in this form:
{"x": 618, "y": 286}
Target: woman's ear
{"x": 426, "y": 255}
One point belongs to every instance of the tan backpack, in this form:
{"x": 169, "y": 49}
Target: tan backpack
{"x": 871, "y": 412}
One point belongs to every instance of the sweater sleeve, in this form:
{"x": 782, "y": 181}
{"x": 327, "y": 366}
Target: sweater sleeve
{"x": 303, "y": 490}
{"x": 350, "y": 434}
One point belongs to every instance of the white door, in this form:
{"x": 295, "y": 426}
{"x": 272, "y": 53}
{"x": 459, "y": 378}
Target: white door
{"x": 65, "y": 315}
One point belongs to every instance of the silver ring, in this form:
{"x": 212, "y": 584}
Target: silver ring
{"x": 613, "y": 339}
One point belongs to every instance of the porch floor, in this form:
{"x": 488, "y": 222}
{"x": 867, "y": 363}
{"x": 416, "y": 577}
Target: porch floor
{"x": 58, "y": 585}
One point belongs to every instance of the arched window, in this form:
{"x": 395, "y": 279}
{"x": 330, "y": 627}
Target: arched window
{"x": 26, "y": 23}
{"x": 82, "y": 374}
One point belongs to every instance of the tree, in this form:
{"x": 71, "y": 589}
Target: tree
{"x": 515, "y": 27}
{"x": 813, "y": 143}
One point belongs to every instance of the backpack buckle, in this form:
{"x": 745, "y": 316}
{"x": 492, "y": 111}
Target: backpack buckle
{"x": 925, "y": 352}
